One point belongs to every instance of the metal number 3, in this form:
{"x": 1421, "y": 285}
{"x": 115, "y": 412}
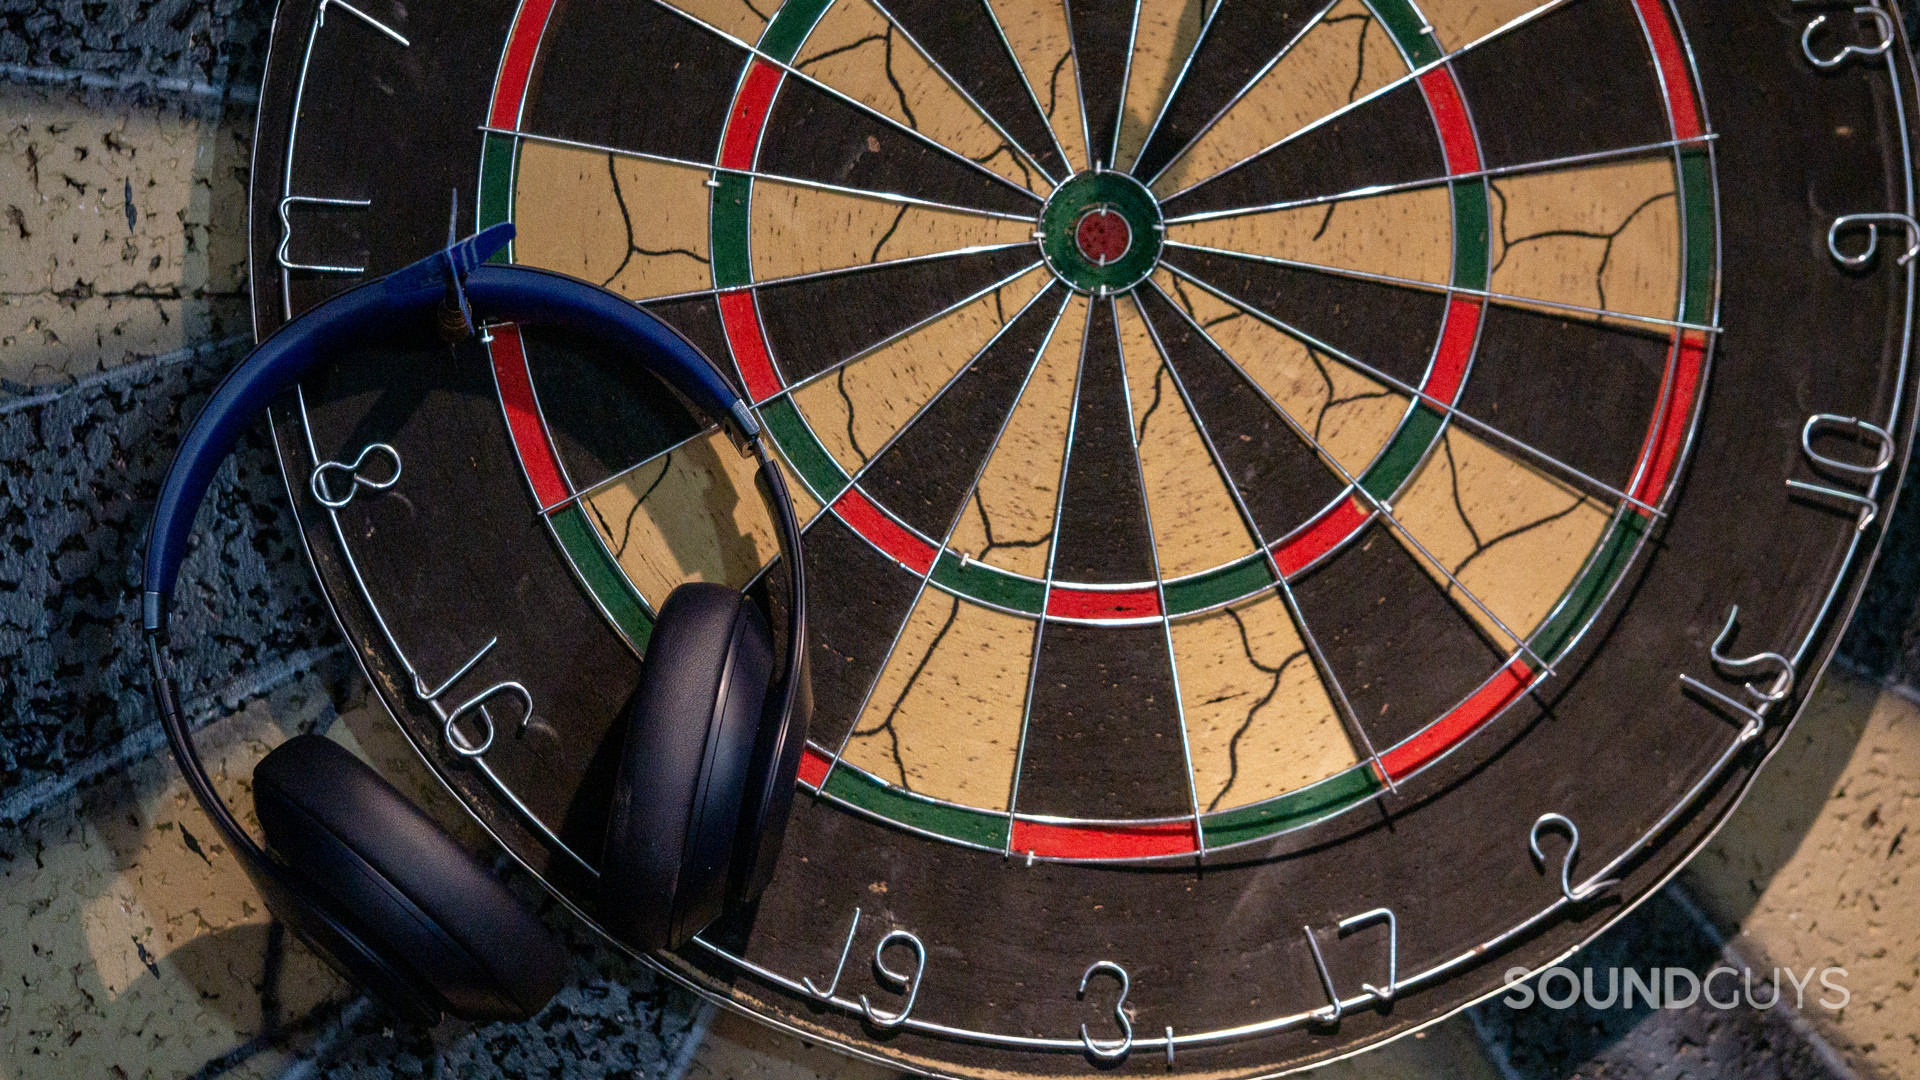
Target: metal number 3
{"x": 1109, "y": 1051}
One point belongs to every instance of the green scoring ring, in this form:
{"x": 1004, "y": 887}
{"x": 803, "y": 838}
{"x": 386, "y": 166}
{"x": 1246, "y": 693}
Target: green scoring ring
{"x": 1618, "y": 547}
{"x": 1081, "y": 194}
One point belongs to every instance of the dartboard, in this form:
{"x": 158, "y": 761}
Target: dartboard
{"x": 1310, "y": 505}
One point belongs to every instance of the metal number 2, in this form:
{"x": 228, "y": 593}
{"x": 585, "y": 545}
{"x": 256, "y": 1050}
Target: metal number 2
{"x": 1574, "y": 894}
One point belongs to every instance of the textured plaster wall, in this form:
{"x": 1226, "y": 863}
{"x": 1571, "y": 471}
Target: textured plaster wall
{"x": 78, "y": 473}
{"x": 130, "y": 944}
{"x": 122, "y": 144}
{"x": 122, "y": 299}
{"x": 1807, "y": 873}
{"x": 112, "y": 250}
{"x": 134, "y": 947}
{"x": 1821, "y": 864}
{"x": 212, "y": 46}
{"x": 1642, "y": 1043}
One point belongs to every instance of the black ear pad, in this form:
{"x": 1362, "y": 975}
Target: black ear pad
{"x": 691, "y": 730}
{"x": 288, "y": 897}
{"x": 420, "y": 904}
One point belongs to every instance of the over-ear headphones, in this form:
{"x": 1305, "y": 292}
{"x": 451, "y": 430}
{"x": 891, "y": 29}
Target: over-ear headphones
{"x": 712, "y": 737}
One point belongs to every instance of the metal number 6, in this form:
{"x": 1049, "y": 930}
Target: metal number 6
{"x": 1872, "y": 222}
{"x": 477, "y": 704}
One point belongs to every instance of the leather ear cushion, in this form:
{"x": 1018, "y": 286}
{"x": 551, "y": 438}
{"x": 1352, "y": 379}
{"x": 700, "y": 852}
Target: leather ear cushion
{"x": 684, "y": 767}
{"x": 402, "y": 886}
{"x": 293, "y": 901}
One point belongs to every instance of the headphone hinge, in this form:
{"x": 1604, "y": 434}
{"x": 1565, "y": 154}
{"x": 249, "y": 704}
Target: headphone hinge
{"x": 749, "y": 427}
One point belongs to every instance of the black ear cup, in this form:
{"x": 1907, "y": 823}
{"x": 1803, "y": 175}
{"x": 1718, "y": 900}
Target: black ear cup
{"x": 290, "y": 899}
{"x": 769, "y": 796}
{"x": 691, "y": 731}
{"x": 393, "y": 892}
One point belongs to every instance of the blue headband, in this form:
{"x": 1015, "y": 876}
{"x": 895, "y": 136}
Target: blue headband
{"x": 395, "y": 304}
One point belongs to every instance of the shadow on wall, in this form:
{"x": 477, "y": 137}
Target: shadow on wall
{"x": 134, "y": 941}
{"x": 1728, "y": 878}
{"x": 135, "y": 946}
{"x": 1884, "y": 640}
{"x": 119, "y": 122}
{"x": 165, "y": 44}
{"x": 1553, "y": 1038}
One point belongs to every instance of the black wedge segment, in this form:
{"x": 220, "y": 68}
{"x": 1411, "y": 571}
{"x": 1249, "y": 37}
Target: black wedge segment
{"x": 1242, "y": 37}
{"x": 1102, "y": 37}
{"x": 955, "y": 34}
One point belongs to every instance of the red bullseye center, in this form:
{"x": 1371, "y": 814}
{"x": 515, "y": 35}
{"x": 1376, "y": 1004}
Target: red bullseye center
{"x": 1102, "y": 235}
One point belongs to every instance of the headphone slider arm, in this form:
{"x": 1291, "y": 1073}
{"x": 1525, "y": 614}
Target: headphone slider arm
{"x": 153, "y": 612}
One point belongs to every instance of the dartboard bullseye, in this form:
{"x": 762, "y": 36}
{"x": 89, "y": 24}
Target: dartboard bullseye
{"x": 1101, "y": 232}
{"x": 1102, "y": 236}
{"x": 1308, "y": 506}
